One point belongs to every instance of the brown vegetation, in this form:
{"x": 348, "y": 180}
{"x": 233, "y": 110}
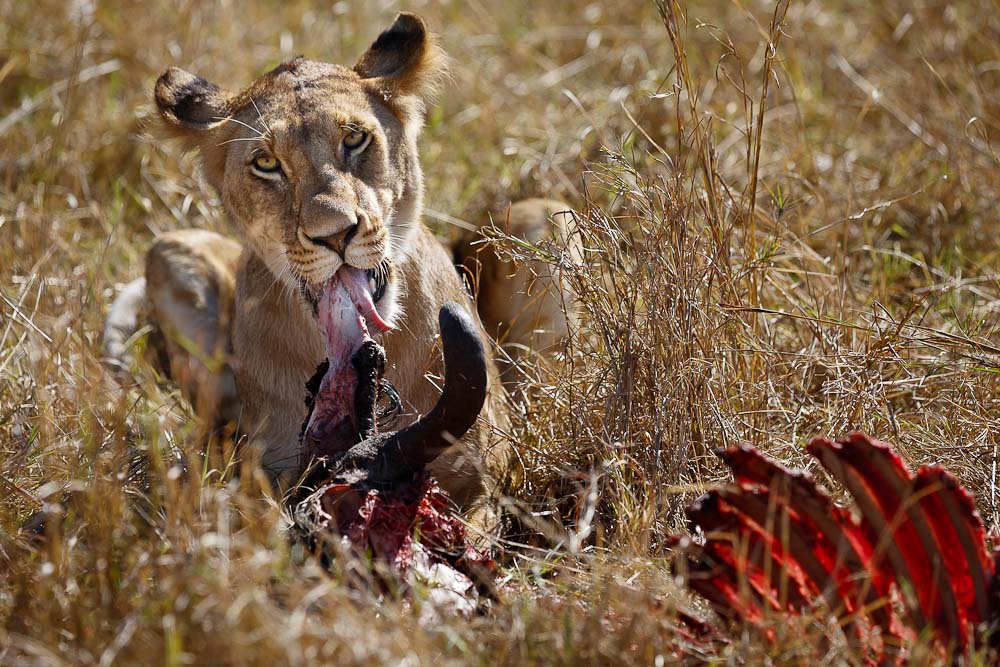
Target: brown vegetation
{"x": 780, "y": 238}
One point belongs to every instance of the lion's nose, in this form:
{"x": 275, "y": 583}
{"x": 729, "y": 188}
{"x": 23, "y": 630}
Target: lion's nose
{"x": 329, "y": 220}
{"x": 336, "y": 242}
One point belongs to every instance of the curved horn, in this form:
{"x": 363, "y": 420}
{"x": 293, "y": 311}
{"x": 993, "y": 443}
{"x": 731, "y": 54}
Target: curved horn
{"x": 461, "y": 400}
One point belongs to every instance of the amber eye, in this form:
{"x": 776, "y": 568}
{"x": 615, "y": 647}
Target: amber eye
{"x": 267, "y": 164}
{"x": 355, "y": 140}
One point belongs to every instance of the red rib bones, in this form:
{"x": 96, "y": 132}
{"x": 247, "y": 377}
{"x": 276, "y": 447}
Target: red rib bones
{"x": 911, "y": 554}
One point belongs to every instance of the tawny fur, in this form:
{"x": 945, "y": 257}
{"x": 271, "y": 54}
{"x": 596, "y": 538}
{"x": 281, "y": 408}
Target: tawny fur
{"x": 524, "y": 306}
{"x": 242, "y": 305}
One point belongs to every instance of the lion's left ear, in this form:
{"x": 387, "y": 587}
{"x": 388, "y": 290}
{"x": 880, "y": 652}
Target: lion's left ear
{"x": 404, "y": 60}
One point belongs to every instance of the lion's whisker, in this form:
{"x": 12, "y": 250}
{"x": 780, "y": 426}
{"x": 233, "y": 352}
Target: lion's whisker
{"x": 260, "y": 134}
{"x": 229, "y": 141}
{"x": 263, "y": 122}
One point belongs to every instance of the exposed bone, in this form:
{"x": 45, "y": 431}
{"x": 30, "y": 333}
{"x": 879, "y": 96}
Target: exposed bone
{"x": 955, "y": 521}
{"x": 842, "y": 547}
{"x": 776, "y": 543}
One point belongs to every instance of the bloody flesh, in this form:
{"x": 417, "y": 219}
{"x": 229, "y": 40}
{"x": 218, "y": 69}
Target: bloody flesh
{"x": 912, "y": 555}
{"x": 371, "y": 493}
{"x": 346, "y": 314}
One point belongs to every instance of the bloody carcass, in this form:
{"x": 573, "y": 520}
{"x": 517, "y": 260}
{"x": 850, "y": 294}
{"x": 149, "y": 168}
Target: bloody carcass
{"x": 911, "y": 554}
{"x": 368, "y": 492}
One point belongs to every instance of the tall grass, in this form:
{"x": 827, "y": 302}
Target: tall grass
{"x": 784, "y": 226}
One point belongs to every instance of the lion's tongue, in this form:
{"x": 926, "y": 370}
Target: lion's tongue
{"x": 346, "y": 312}
{"x": 356, "y": 282}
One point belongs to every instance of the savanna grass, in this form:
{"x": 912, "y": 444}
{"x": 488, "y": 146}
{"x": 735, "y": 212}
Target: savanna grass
{"x": 785, "y": 225}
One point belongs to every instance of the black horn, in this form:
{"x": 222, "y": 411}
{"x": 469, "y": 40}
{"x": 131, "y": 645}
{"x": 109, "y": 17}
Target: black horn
{"x": 461, "y": 400}
{"x": 384, "y": 460}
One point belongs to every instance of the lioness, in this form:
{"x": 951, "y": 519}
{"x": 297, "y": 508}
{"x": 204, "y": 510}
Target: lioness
{"x": 317, "y": 168}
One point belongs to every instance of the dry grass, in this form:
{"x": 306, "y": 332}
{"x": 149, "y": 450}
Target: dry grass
{"x": 778, "y": 244}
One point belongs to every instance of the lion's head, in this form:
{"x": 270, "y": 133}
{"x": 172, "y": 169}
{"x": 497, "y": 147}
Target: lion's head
{"x": 317, "y": 163}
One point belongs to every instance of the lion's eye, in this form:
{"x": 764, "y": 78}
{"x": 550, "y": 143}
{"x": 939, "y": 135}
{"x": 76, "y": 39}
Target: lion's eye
{"x": 355, "y": 140}
{"x": 266, "y": 165}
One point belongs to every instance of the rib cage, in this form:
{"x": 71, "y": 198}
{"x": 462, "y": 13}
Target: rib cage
{"x": 910, "y": 554}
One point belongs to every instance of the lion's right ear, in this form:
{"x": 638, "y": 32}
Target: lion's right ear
{"x": 189, "y": 104}
{"x": 405, "y": 60}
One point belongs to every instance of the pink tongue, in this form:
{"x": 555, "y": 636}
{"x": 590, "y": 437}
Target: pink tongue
{"x": 345, "y": 313}
{"x": 356, "y": 282}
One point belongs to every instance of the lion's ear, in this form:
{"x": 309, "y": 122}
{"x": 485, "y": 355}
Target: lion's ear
{"x": 189, "y": 104}
{"x": 191, "y": 109}
{"x": 404, "y": 60}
